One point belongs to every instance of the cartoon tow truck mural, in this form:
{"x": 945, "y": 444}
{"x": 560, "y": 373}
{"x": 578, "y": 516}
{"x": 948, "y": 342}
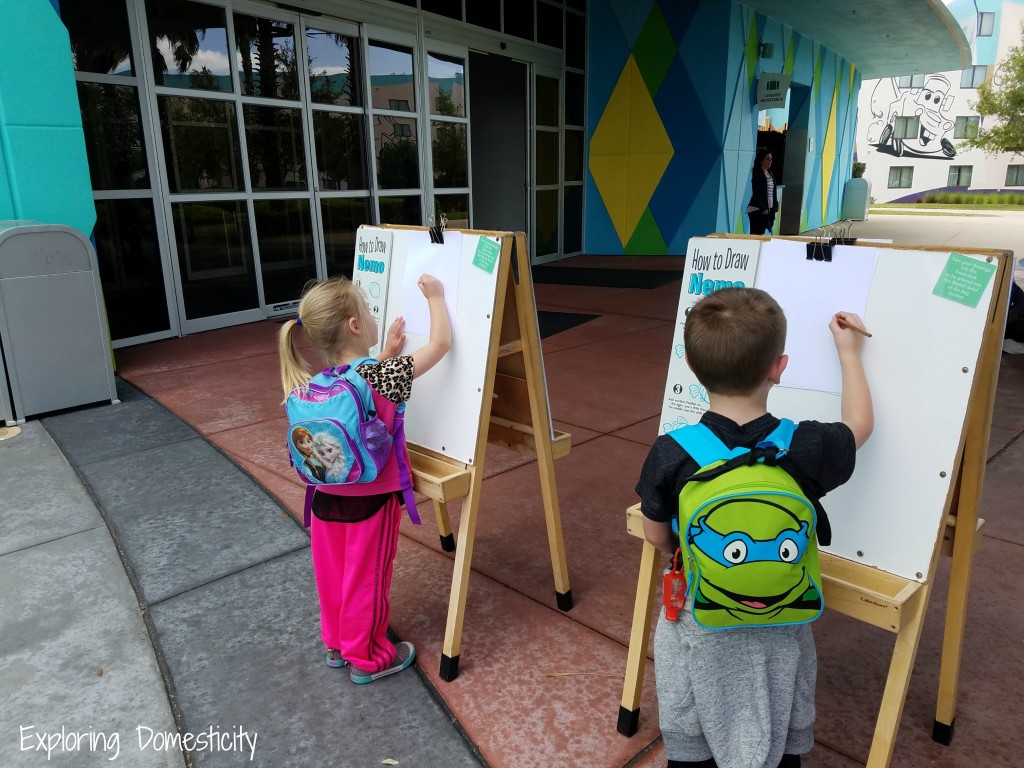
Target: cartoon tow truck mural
{"x": 930, "y": 103}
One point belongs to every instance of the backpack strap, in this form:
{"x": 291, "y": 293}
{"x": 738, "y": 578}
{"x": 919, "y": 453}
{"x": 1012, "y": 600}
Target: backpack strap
{"x": 703, "y": 445}
{"x": 404, "y": 470}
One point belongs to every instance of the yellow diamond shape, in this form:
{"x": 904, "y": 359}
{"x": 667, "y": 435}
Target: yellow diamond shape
{"x": 629, "y": 151}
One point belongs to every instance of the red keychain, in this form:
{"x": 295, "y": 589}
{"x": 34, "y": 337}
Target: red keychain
{"x": 674, "y": 588}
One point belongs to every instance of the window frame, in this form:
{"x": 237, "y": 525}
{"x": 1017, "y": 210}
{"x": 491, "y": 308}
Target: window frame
{"x": 903, "y": 176}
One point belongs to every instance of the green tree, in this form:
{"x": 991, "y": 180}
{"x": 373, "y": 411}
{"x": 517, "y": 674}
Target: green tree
{"x": 1002, "y": 99}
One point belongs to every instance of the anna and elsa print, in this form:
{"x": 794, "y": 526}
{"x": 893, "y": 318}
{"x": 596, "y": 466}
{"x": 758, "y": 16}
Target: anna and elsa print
{"x": 318, "y": 456}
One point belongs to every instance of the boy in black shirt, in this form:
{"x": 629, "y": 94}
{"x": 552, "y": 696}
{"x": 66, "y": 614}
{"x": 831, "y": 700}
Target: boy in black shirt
{"x": 745, "y": 696}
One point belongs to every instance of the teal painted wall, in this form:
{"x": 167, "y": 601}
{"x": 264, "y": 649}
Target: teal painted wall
{"x": 44, "y": 171}
{"x": 699, "y": 63}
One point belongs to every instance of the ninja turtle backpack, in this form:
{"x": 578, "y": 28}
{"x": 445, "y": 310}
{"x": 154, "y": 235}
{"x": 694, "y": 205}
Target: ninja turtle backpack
{"x": 750, "y": 532}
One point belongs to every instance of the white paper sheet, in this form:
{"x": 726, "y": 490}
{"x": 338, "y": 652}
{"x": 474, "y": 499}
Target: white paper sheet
{"x": 810, "y": 292}
{"x": 443, "y": 261}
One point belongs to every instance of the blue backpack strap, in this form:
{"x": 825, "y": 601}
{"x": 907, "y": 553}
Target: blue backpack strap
{"x": 781, "y": 437}
{"x": 703, "y": 445}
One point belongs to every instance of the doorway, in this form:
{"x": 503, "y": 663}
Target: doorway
{"x": 499, "y": 140}
{"x": 797, "y": 148}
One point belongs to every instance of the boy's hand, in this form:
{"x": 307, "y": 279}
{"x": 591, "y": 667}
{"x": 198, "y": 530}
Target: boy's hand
{"x": 847, "y": 339}
{"x": 395, "y": 340}
{"x": 430, "y": 286}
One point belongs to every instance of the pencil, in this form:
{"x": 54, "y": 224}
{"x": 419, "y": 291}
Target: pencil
{"x": 852, "y": 326}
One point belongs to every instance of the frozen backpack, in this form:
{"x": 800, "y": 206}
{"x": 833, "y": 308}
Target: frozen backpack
{"x": 750, "y": 532}
{"x": 338, "y": 443}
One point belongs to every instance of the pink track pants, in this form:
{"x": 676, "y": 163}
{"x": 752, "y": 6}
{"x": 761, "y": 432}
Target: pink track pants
{"x": 353, "y": 563}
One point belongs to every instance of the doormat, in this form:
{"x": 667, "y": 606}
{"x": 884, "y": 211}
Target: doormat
{"x": 555, "y": 322}
{"x": 605, "y": 278}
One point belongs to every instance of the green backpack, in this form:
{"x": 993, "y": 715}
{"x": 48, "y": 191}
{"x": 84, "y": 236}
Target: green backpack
{"x": 750, "y": 532}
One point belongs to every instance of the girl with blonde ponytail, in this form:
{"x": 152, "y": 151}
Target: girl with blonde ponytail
{"x": 354, "y": 537}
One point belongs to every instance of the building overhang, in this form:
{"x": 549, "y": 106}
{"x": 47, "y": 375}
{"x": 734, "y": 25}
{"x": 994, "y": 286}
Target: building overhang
{"x": 880, "y": 37}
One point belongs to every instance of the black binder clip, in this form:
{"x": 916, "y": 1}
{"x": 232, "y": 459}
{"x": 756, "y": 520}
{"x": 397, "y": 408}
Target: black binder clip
{"x": 844, "y": 227}
{"x": 820, "y": 248}
{"x": 437, "y": 232}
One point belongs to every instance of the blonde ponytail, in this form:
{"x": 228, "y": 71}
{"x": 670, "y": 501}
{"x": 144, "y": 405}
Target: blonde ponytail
{"x": 294, "y": 373}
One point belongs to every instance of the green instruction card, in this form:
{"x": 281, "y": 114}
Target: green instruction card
{"x": 964, "y": 279}
{"x": 486, "y": 255}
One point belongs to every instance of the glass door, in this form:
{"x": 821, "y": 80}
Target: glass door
{"x": 336, "y": 120}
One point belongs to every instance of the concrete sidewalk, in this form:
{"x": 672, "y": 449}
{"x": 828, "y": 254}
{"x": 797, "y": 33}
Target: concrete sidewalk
{"x": 113, "y": 645}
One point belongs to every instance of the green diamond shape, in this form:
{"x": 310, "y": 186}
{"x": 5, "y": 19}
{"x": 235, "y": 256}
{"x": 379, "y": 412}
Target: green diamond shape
{"x": 654, "y": 50}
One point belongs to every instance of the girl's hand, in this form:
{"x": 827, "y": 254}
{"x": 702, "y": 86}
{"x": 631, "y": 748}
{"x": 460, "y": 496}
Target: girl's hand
{"x": 430, "y": 286}
{"x": 395, "y": 341}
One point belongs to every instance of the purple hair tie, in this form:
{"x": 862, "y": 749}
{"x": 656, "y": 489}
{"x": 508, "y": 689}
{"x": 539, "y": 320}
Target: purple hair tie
{"x": 298, "y": 321}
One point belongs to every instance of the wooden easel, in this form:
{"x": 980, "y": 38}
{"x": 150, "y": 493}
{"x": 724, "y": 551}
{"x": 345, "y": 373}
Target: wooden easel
{"x": 515, "y": 414}
{"x": 868, "y": 594}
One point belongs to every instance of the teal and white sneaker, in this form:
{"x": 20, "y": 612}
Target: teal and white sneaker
{"x": 334, "y": 658}
{"x": 403, "y": 658}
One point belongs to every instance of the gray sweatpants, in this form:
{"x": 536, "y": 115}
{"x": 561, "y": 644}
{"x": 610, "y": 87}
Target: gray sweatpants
{"x": 743, "y": 696}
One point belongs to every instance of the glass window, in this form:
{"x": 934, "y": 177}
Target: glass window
{"x": 549, "y": 25}
{"x": 341, "y": 218}
{"x": 573, "y": 218}
{"x": 189, "y": 42}
{"x": 547, "y": 223}
{"x": 200, "y": 144}
{"x": 400, "y": 210}
{"x": 579, "y": 5}
{"x": 575, "y": 98}
{"x": 906, "y": 127}
{"x": 334, "y": 69}
{"x": 398, "y": 164}
{"x": 391, "y": 77}
{"x": 448, "y": 144}
{"x": 455, "y": 207}
{"x": 130, "y": 270}
{"x": 986, "y": 22}
{"x": 573, "y": 156}
{"x": 1015, "y": 175}
{"x": 966, "y": 127}
{"x": 519, "y": 19}
{"x": 447, "y": 85}
{"x": 340, "y": 151}
{"x": 547, "y": 101}
{"x": 277, "y": 157}
{"x": 575, "y": 41}
{"x": 266, "y": 58}
{"x": 484, "y": 13}
{"x": 285, "y": 240}
{"x": 450, "y": 8}
{"x": 959, "y": 176}
{"x": 901, "y": 177}
{"x": 113, "y": 136}
{"x": 974, "y": 76}
{"x": 547, "y": 157}
{"x": 912, "y": 81}
{"x": 100, "y": 36}
{"x": 215, "y": 257}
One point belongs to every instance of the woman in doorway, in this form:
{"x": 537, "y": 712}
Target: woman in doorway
{"x": 763, "y": 201}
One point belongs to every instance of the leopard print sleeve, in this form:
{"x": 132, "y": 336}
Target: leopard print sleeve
{"x": 391, "y": 378}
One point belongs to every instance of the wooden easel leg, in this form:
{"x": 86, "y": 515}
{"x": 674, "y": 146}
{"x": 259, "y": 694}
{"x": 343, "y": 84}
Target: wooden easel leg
{"x": 896, "y": 684}
{"x": 537, "y": 387}
{"x": 444, "y": 526}
{"x": 460, "y": 580}
{"x": 953, "y": 635}
{"x": 636, "y": 659}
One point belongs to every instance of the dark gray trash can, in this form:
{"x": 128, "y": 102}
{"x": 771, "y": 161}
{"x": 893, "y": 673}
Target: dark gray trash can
{"x": 54, "y": 343}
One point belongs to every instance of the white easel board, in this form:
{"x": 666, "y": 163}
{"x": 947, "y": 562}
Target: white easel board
{"x": 920, "y": 364}
{"x": 444, "y": 411}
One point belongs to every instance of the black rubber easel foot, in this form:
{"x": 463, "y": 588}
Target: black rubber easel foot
{"x": 943, "y": 733}
{"x": 449, "y": 668}
{"x": 448, "y": 542}
{"x": 564, "y": 600}
{"x": 629, "y": 720}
